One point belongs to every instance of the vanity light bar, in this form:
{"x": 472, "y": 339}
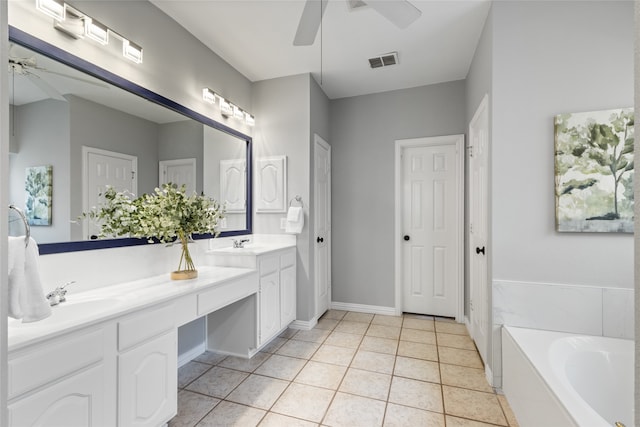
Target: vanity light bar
{"x": 209, "y": 95}
{"x": 227, "y": 109}
{"x": 52, "y": 8}
{"x": 95, "y": 30}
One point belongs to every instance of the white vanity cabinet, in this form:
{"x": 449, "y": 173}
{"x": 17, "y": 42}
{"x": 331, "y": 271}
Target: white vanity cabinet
{"x": 65, "y": 381}
{"x": 277, "y": 296}
{"x": 147, "y": 360}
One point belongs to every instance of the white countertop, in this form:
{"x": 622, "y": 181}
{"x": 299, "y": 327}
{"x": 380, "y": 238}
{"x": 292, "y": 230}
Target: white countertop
{"x": 88, "y": 308}
{"x": 250, "y": 249}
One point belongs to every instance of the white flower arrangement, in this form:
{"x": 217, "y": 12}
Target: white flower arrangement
{"x": 167, "y": 215}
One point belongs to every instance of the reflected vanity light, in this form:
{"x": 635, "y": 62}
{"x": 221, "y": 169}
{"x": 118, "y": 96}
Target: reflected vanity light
{"x": 227, "y": 109}
{"x": 131, "y": 51}
{"x": 52, "y": 8}
{"x": 95, "y": 30}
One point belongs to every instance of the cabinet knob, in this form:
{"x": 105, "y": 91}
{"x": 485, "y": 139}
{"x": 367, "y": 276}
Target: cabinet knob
{"x": 319, "y": 239}
{"x": 407, "y": 238}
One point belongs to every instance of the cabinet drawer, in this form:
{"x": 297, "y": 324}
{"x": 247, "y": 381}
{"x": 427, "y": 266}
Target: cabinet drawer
{"x": 60, "y": 357}
{"x": 227, "y": 293}
{"x": 287, "y": 259}
{"x": 267, "y": 264}
{"x": 140, "y": 327}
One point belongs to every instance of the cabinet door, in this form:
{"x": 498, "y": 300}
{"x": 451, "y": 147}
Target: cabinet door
{"x": 76, "y": 401}
{"x": 287, "y": 296}
{"x": 148, "y": 383}
{"x": 269, "y": 306}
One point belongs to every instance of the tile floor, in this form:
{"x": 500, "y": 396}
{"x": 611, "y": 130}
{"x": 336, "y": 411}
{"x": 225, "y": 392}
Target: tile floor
{"x": 352, "y": 369}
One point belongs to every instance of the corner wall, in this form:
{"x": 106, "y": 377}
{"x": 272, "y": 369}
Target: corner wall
{"x": 551, "y": 58}
{"x": 363, "y": 134}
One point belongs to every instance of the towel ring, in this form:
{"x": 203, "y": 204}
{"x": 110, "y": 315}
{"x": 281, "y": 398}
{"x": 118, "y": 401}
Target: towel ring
{"x": 27, "y": 228}
{"x": 296, "y": 199}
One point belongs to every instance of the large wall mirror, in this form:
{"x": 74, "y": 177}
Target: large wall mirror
{"x": 70, "y": 121}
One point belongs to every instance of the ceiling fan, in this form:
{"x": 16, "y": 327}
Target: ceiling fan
{"x": 28, "y": 67}
{"x": 400, "y": 12}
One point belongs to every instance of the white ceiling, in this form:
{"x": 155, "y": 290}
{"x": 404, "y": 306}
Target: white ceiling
{"x": 256, "y": 38}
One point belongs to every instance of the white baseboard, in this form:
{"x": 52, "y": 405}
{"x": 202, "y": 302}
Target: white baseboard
{"x": 188, "y": 356}
{"x": 361, "y": 308}
{"x": 304, "y": 325}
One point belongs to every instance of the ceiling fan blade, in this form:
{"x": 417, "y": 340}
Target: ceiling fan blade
{"x": 400, "y": 12}
{"x": 309, "y": 22}
{"x": 91, "y": 82}
{"x": 44, "y": 86}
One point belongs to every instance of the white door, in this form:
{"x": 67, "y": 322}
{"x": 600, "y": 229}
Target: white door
{"x": 478, "y": 227}
{"x": 322, "y": 225}
{"x": 102, "y": 168}
{"x": 431, "y": 226}
{"x": 179, "y": 172}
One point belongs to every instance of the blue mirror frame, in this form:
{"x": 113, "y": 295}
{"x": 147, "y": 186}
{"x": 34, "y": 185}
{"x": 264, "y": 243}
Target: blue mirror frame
{"x": 53, "y": 52}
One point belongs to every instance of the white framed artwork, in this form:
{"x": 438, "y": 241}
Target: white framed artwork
{"x": 271, "y": 184}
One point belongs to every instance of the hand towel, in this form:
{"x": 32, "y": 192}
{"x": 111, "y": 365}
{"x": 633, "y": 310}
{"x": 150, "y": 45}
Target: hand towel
{"x": 295, "y": 220}
{"x": 16, "y": 256}
{"x": 294, "y": 213}
{"x": 32, "y": 301}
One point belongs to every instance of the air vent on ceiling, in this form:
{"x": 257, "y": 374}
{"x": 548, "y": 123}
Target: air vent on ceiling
{"x": 354, "y": 4}
{"x": 384, "y": 60}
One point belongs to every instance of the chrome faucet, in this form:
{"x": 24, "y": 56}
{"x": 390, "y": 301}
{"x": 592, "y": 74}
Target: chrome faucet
{"x": 238, "y": 244}
{"x": 58, "y": 295}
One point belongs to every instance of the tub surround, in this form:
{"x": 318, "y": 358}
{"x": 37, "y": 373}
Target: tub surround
{"x": 578, "y": 309}
{"x": 556, "y": 378}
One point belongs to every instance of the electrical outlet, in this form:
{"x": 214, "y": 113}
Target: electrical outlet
{"x": 283, "y": 223}
{"x": 223, "y": 223}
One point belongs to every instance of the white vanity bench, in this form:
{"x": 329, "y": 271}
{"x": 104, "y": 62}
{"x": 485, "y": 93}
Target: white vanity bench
{"x": 108, "y": 357}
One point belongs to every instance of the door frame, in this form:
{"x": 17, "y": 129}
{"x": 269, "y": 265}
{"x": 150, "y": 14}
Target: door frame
{"x": 324, "y": 144}
{"x": 400, "y": 144}
{"x": 485, "y": 352}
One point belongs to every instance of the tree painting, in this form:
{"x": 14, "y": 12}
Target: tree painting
{"x": 38, "y": 189}
{"x": 594, "y": 171}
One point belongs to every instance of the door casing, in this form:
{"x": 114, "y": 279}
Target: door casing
{"x": 458, "y": 141}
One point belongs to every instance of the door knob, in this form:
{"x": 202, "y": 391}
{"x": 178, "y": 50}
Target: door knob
{"x": 319, "y": 239}
{"x": 480, "y": 250}
{"x": 406, "y": 238}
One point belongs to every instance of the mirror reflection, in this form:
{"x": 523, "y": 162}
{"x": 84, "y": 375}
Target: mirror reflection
{"x": 92, "y": 134}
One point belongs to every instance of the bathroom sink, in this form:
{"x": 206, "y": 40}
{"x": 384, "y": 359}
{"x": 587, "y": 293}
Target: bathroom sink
{"x": 74, "y": 309}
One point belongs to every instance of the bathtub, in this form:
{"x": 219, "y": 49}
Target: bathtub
{"x": 561, "y": 379}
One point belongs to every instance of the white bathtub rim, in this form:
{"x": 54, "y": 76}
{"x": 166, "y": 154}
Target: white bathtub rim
{"x": 531, "y": 341}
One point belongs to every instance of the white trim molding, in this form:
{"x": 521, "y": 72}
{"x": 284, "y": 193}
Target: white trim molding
{"x": 362, "y": 308}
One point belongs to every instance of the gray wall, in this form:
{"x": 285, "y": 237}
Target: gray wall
{"x": 97, "y": 126}
{"x": 589, "y": 68}
{"x": 363, "y": 131}
{"x": 45, "y": 144}
{"x": 282, "y": 127}
{"x": 182, "y": 140}
{"x": 551, "y": 58}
